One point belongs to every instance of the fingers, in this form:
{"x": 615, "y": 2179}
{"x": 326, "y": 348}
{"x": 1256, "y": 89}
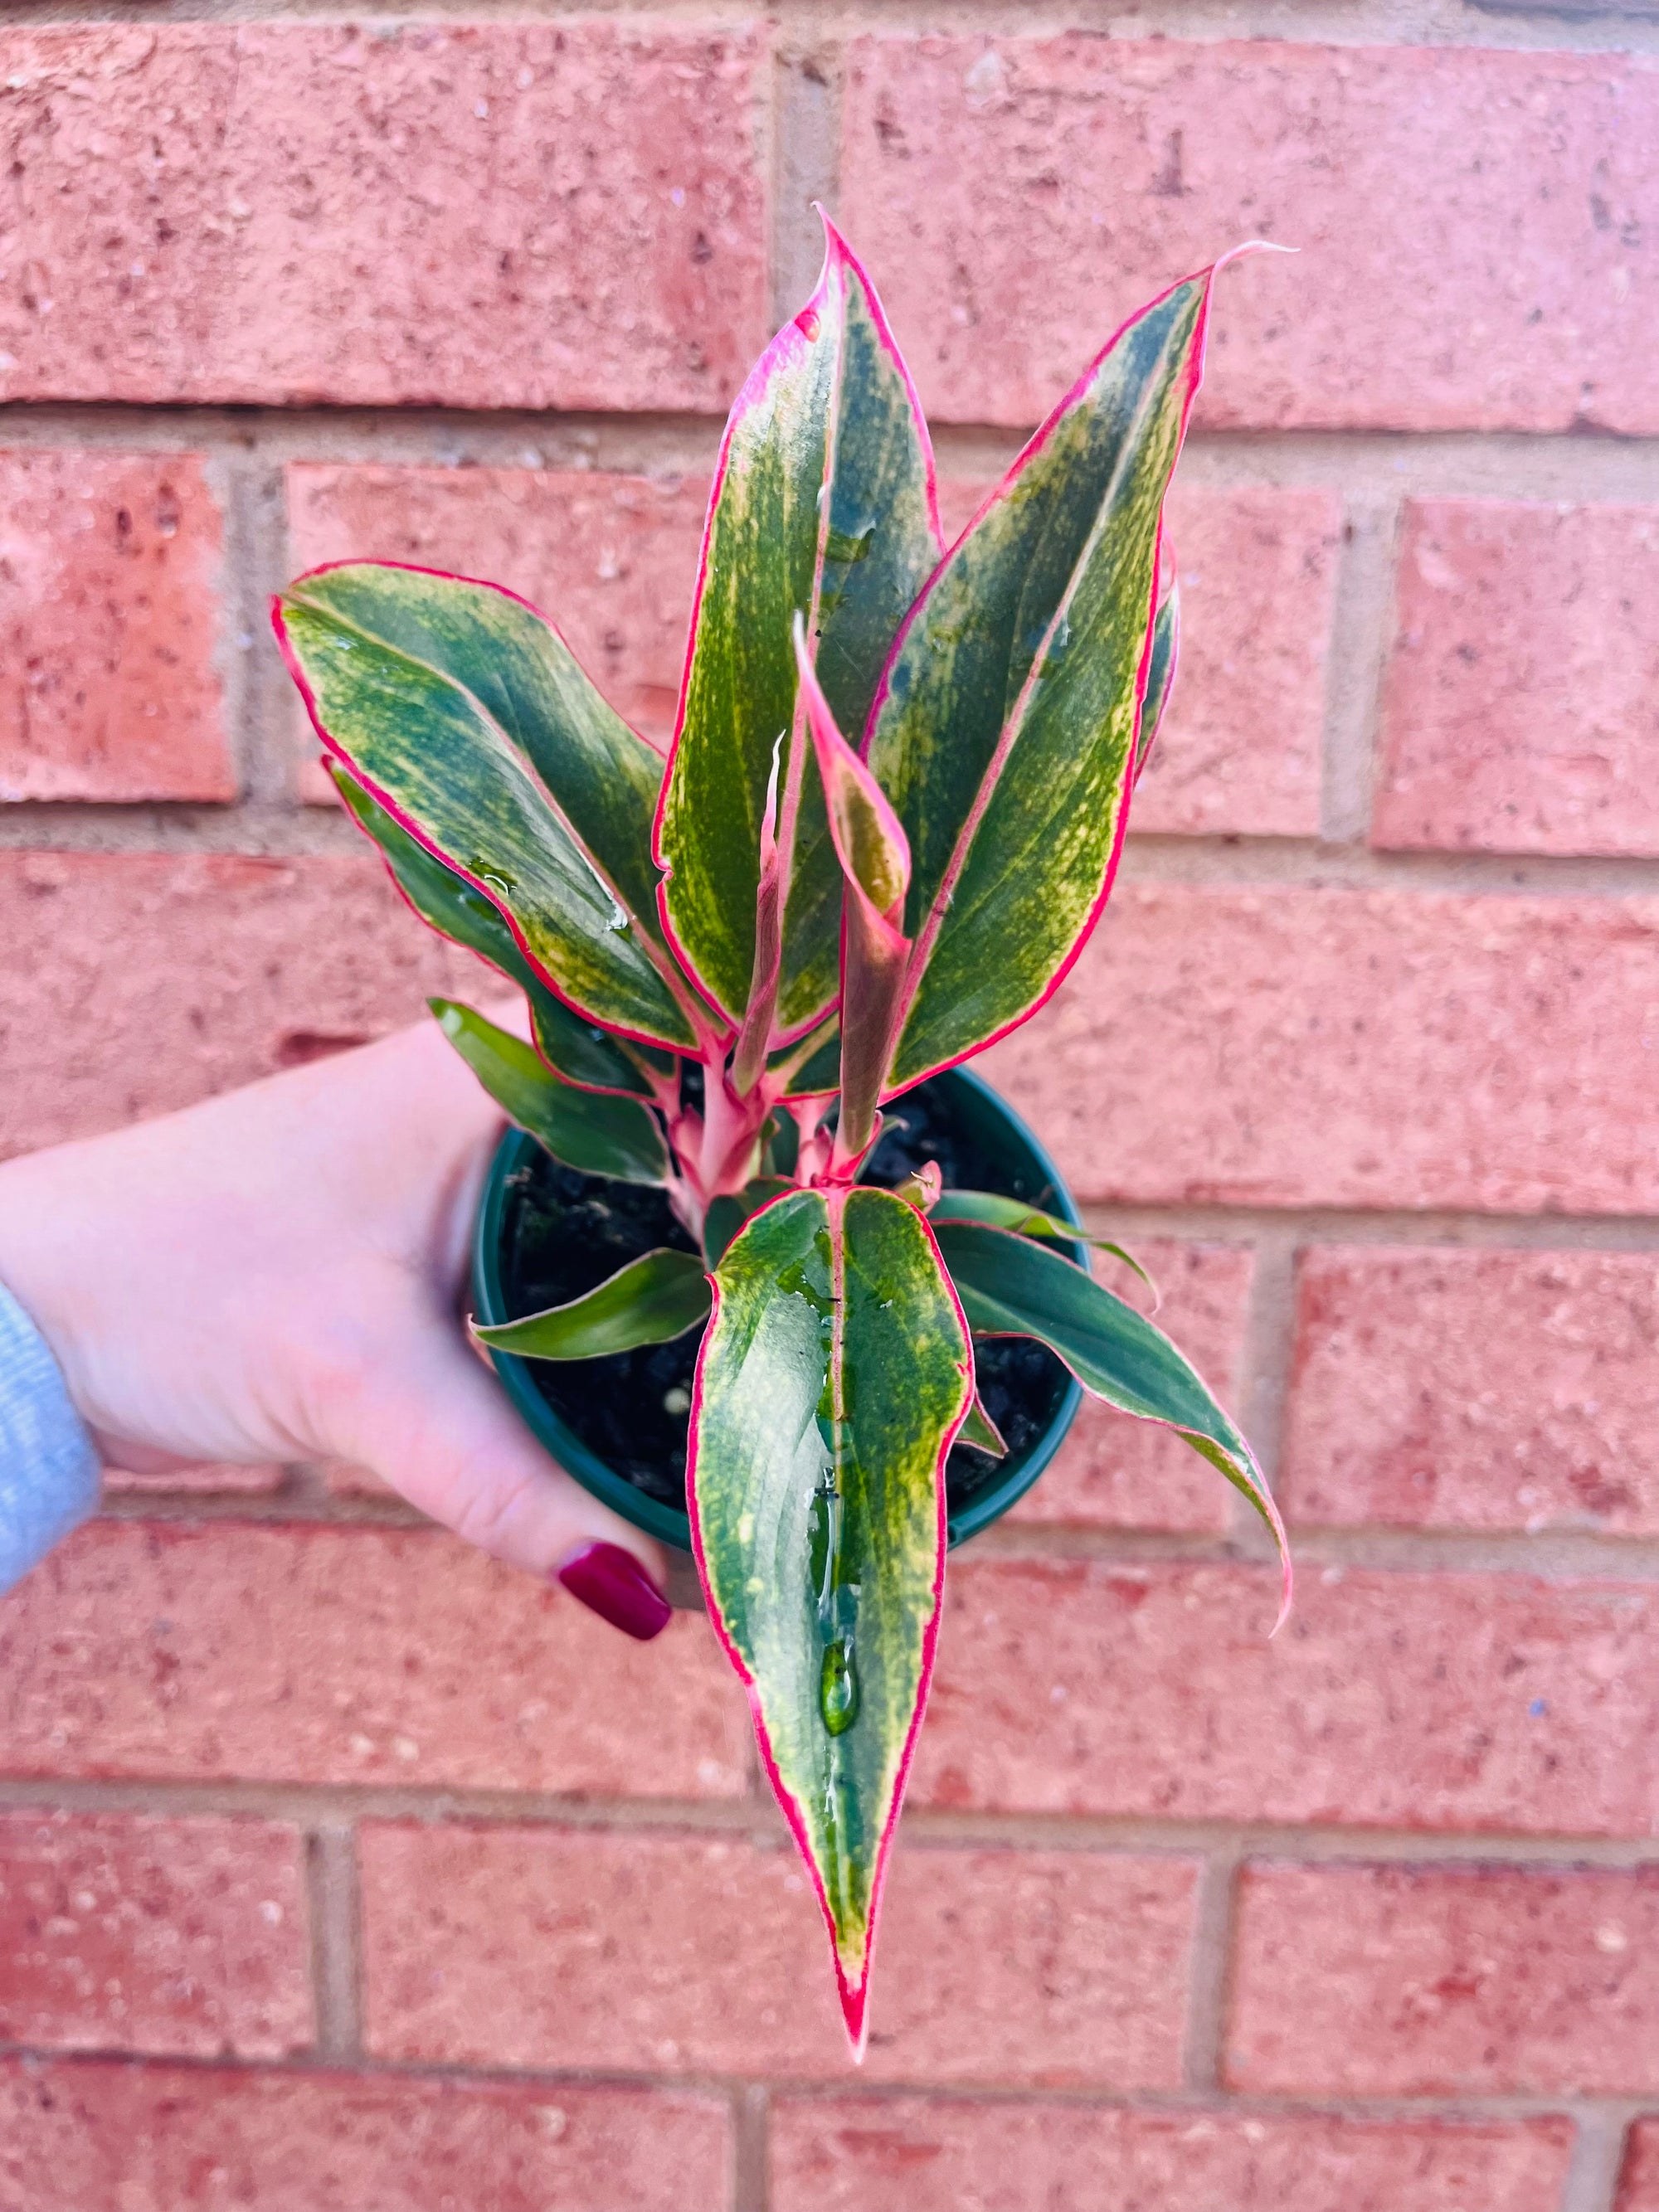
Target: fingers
{"x": 436, "y": 1425}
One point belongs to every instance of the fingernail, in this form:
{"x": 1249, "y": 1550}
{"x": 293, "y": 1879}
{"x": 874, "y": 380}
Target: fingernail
{"x": 611, "y": 1583}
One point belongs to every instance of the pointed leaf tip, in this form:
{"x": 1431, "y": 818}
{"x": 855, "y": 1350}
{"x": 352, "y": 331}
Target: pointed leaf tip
{"x": 818, "y": 1519}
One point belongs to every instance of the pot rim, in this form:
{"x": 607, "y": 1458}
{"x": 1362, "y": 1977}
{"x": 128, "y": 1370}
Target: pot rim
{"x": 668, "y": 1525}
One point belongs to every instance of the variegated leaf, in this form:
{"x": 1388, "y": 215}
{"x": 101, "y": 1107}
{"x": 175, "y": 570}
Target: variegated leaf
{"x": 1005, "y": 729}
{"x": 833, "y": 1377}
{"x": 593, "y": 1133}
{"x": 652, "y": 1300}
{"x": 822, "y": 501}
{"x": 464, "y": 715}
{"x": 578, "y": 1049}
{"x": 1011, "y": 1286}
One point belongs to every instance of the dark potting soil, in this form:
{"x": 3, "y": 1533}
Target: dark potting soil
{"x": 564, "y": 1233}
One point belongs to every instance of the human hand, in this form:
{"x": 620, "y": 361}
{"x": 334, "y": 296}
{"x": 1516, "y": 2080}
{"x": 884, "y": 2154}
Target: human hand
{"x": 275, "y": 1274}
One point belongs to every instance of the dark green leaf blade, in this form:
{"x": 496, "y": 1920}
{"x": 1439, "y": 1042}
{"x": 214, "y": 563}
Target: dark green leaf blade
{"x": 1011, "y": 1286}
{"x": 582, "y": 1053}
{"x": 995, "y": 1211}
{"x": 651, "y": 1300}
{"x": 464, "y": 715}
{"x": 833, "y": 1377}
{"x": 823, "y": 501}
{"x": 593, "y": 1131}
{"x": 1160, "y": 674}
{"x": 1005, "y": 729}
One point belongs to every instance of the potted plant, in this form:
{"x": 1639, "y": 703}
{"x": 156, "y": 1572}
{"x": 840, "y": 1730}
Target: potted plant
{"x": 897, "y": 794}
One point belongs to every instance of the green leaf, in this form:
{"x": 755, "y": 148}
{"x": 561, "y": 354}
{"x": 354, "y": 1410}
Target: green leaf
{"x": 831, "y": 1380}
{"x": 1009, "y": 1286}
{"x": 727, "y": 1212}
{"x": 996, "y": 1212}
{"x": 822, "y": 501}
{"x": 579, "y": 1052}
{"x": 647, "y": 1301}
{"x": 1005, "y": 730}
{"x": 981, "y": 1432}
{"x": 464, "y": 715}
{"x": 591, "y": 1131}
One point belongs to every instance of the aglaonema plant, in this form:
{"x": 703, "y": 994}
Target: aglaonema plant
{"x": 896, "y": 794}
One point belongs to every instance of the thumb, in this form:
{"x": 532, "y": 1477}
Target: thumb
{"x": 432, "y": 1420}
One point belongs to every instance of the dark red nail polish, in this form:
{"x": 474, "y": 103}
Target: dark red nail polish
{"x": 611, "y": 1583}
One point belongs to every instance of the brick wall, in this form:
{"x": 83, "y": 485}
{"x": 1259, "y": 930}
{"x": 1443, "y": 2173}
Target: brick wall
{"x": 340, "y": 1868}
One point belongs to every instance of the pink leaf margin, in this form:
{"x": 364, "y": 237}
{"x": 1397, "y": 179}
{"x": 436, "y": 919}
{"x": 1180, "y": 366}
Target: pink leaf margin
{"x": 1028, "y": 452}
{"x": 783, "y": 352}
{"x": 382, "y": 798}
{"x": 853, "y": 1996}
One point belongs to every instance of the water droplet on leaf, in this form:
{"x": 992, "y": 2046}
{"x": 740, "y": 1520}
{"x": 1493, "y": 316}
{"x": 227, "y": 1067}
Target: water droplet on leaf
{"x": 838, "y": 1687}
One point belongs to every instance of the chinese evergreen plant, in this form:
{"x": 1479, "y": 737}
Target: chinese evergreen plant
{"x": 898, "y": 790}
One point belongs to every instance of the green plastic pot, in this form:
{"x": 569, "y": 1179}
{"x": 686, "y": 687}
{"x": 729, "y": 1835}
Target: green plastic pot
{"x": 1029, "y": 1173}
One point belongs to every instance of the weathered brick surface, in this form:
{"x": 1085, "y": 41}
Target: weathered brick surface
{"x": 612, "y": 560}
{"x": 1283, "y": 1046}
{"x": 668, "y": 1954}
{"x": 109, "y": 614}
{"x": 347, "y": 1655}
{"x": 1638, "y": 2188}
{"x": 217, "y": 1479}
{"x": 1425, "y": 1701}
{"x": 1474, "y": 1389}
{"x": 92, "y": 2138}
{"x": 1239, "y": 752}
{"x": 906, "y": 2155}
{"x": 229, "y": 968}
{"x": 1112, "y": 1472}
{"x": 1522, "y": 707}
{"x": 1447, "y": 1981}
{"x": 1473, "y": 249}
{"x": 427, "y": 213}
{"x": 181, "y": 1936}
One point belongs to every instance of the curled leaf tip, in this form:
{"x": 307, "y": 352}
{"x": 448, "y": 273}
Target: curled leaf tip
{"x": 1250, "y": 245}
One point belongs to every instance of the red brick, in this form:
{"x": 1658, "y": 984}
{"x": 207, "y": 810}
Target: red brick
{"x": 1474, "y": 1389}
{"x": 343, "y": 1654}
{"x": 380, "y": 214}
{"x": 88, "y": 2138}
{"x": 549, "y": 1948}
{"x": 906, "y": 2154}
{"x": 1473, "y": 249}
{"x": 1519, "y": 713}
{"x": 229, "y": 968}
{"x": 1392, "y": 1981}
{"x": 109, "y": 585}
{"x": 343, "y": 1479}
{"x": 611, "y": 559}
{"x": 1447, "y": 1701}
{"x": 1240, "y": 751}
{"x": 1115, "y": 1473}
{"x": 1639, "y": 2190}
{"x": 1298, "y": 1047}
{"x": 200, "y": 1480}
{"x": 187, "y": 1937}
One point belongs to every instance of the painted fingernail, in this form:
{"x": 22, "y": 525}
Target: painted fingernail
{"x": 611, "y": 1583}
